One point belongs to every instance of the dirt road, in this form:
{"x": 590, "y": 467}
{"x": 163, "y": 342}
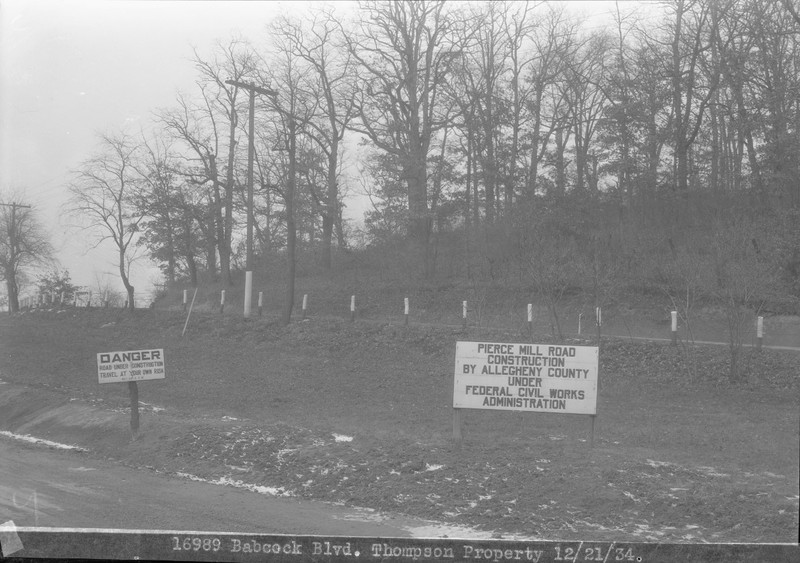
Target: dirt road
{"x": 49, "y": 488}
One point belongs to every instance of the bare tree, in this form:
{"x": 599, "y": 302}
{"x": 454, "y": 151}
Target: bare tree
{"x": 23, "y": 246}
{"x": 187, "y": 124}
{"x": 295, "y": 107}
{"x": 103, "y": 197}
{"x": 318, "y": 44}
{"x": 405, "y": 53}
{"x": 553, "y": 43}
{"x": 208, "y": 128}
{"x": 692, "y": 90}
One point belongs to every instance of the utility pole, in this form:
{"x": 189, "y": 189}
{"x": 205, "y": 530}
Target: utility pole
{"x": 11, "y": 280}
{"x": 248, "y": 276}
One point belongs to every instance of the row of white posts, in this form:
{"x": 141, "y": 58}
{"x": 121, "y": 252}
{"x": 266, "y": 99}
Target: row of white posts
{"x": 674, "y": 330}
{"x": 406, "y": 308}
{"x": 50, "y": 299}
{"x": 465, "y": 310}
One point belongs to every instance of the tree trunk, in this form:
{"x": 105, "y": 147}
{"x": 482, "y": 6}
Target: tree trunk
{"x": 125, "y": 281}
{"x": 291, "y": 227}
{"x": 419, "y": 223}
{"x": 331, "y": 205}
{"x": 13, "y": 293}
{"x": 227, "y": 230}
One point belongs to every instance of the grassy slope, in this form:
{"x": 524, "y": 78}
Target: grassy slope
{"x": 679, "y": 454}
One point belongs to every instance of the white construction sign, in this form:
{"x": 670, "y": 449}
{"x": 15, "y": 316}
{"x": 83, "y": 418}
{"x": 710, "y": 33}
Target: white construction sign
{"x": 526, "y": 377}
{"x": 133, "y": 365}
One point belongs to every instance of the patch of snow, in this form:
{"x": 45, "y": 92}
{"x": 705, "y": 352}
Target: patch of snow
{"x": 34, "y": 440}
{"x": 711, "y": 472}
{"x": 435, "y": 467}
{"x": 653, "y": 463}
{"x": 237, "y": 468}
{"x": 630, "y": 496}
{"x": 229, "y": 418}
{"x": 81, "y": 469}
{"x": 273, "y": 491}
{"x": 228, "y": 481}
{"x": 282, "y": 453}
{"x": 191, "y": 477}
{"x": 342, "y": 438}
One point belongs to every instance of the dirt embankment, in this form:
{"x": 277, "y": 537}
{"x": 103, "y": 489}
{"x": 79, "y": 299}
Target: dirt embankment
{"x": 361, "y": 413}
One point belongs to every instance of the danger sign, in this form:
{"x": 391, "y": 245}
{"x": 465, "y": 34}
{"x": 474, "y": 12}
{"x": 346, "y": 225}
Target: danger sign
{"x": 133, "y": 365}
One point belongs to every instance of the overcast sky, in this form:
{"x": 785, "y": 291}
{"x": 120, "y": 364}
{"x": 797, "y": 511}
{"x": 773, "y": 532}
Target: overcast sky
{"x": 72, "y": 69}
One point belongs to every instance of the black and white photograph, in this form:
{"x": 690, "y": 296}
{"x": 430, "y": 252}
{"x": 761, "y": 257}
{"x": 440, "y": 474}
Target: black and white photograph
{"x": 400, "y": 280}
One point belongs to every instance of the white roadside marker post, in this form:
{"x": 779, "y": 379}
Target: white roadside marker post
{"x": 759, "y": 332}
{"x": 674, "y": 315}
{"x": 222, "y": 301}
{"x": 248, "y": 293}
{"x": 185, "y": 298}
{"x": 352, "y": 308}
{"x": 405, "y": 308}
{"x": 260, "y": 303}
{"x": 305, "y": 304}
{"x": 530, "y": 319}
{"x": 464, "y": 314}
